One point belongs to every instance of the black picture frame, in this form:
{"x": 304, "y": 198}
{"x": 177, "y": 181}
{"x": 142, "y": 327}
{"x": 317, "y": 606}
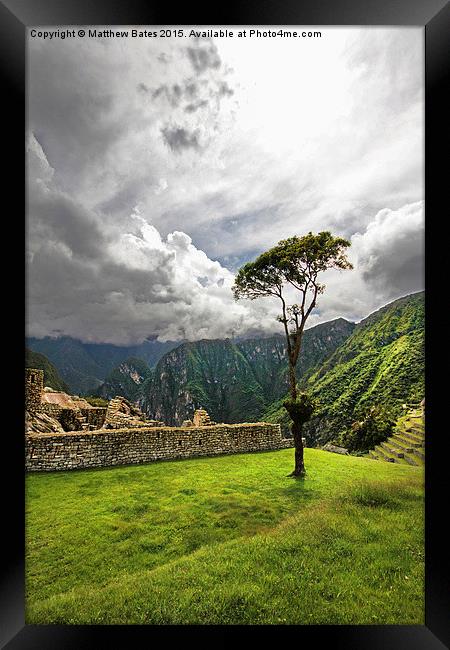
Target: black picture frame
{"x": 15, "y": 17}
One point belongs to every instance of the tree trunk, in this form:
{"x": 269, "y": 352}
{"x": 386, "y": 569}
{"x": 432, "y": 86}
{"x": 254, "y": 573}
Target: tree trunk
{"x": 296, "y": 427}
{"x": 299, "y": 469}
{"x": 292, "y": 381}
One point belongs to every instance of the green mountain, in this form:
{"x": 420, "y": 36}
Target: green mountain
{"x": 85, "y": 366}
{"x": 126, "y": 380}
{"x": 381, "y": 362}
{"x": 77, "y": 368}
{"x": 210, "y": 374}
{"x": 51, "y": 375}
{"x": 233, "y": 381}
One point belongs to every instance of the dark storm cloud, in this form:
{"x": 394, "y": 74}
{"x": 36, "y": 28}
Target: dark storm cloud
{"x": 191, "y": 89}
{"x": 204, "y": 56}
{"x": 398, "y": 268}
{"x": 74, "y": 282}
{"x": 398, "y": 276}
{"x": 179, "y": 138}
{"x": 114, "y": 120}
{"x": 175, "y": 94}
{"x": 135, "y": 285}
{"x": 191, "y": 95}
{"x": 73, "y": 109}
{"x": 164, "y": 58}
{"x": 225, "y": 90}
{"x": 195, "y": 102}
{"x": 59, "y": 218}
{"x": 192, "y": 108}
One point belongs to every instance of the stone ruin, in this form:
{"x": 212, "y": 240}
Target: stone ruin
{"x": 121, "y": 414}
{"x": 51, "y": 411}
{"x": 202, "y": 419}
{"x": 34, "y": 386}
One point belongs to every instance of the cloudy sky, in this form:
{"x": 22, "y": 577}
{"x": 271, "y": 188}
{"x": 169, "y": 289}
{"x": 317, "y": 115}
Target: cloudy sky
{"x": 157, "y": 166}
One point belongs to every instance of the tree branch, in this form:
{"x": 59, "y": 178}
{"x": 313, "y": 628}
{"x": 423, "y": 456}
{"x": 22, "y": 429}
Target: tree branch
{"x": 285, "y": 322}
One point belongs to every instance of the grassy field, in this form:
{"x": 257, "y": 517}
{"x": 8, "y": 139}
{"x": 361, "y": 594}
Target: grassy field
{"x": 227, "y": 540}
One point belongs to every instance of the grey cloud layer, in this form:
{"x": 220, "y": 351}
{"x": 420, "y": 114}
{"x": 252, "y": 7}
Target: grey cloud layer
{"x": 178, "y": 138}
{"x": 122, "y": 288}
{"x": 204, "y": 55}
{"x": 146, "y": 165}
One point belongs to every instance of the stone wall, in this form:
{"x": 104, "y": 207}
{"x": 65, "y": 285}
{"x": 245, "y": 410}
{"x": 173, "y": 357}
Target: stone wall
{"x": 95, "y": 416}
{"x": 69, "y": 418}
{"x": 53, "y": 410}
{"x": 82, "y": 449}
{"x": 34, "y": 385}
{"x": 201, "y": 418}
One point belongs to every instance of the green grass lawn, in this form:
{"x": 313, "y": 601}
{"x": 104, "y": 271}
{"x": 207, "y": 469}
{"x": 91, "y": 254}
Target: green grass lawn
{"x": 227, "y": 540}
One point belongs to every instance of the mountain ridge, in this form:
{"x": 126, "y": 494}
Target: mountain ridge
{"x": 234, "y": 381}
{"x": 126, "y": 380}
{"x": 51, "y": 375}
{"x": 85, "y": 366}
{"x": 345, "y": 365}
{"x": 382, "y": 361}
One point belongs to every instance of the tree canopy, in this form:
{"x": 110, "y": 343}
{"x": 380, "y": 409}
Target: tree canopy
{"x": 296, "y": 261}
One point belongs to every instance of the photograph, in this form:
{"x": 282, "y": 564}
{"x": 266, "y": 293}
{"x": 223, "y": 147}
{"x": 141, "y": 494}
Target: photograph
{"x": 225, "y": 325}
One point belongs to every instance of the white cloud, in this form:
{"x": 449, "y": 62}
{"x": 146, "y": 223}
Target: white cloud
{"x": 124, "y": 289}
{"x": 388, "y": 259}
{"x": 153, "y": 166}
{"x": 391, "y": 252}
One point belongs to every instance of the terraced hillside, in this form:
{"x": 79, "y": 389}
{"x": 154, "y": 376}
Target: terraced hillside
{"x": 407, "y": 444}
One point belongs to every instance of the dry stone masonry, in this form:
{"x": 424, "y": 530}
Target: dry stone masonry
{"x": 121, "y": 414}
{"x": 106, "y": 447}
{"x": 34, "y": 386}
{"x": 48, "y": 410}
{"x": 65, "y": 432}
{"x": 41, "y": 423}
{"x": 202, "y": 419}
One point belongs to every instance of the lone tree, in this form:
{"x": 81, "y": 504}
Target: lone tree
{"x": 295, "y": 262}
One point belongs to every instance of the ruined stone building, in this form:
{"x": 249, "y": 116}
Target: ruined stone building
{"x": 50, "y": 410}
